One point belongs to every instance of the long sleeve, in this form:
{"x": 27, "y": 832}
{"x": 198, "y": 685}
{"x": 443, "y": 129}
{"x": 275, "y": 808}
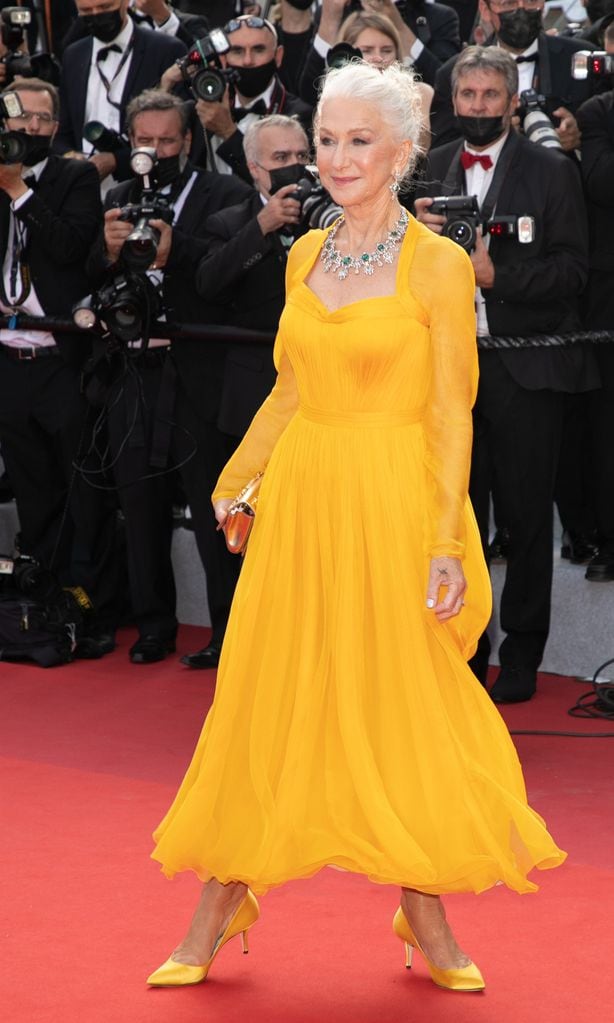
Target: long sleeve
{"x": 266, "y": 428}
{"x": 448, "y": 425}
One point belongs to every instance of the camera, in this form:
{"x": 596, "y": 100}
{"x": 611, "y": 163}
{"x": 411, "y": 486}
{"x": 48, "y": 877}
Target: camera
{"x": 14, "y": 145}
{"x": 105, "y": 140}
{"x": 463, "y": 218}
{"x": 464, "y": 222}
{"x": 202, "y": 69}
{"x": 140, "y": 247}
{"x": 536, "y": 124}
{"x": 126, "y": 305}
{"x": 342, "y": 53}
{"x": 591, "y": 64}
{"x": 317, "y": 208}
{"x": 27, "y": 576}
{"x": 14, "y": 22}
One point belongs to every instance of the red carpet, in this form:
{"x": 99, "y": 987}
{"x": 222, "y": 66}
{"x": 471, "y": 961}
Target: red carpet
{"x": 91, "y": 755}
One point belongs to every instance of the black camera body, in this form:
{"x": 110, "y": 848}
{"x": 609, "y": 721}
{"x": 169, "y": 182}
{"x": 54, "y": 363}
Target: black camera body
{"x": 14, "y": 22}
{"x": 536, "y": 124}
{"x": 464, "y": 222}
{"x": 317, "y": 208}
{"x": 203, "y": 71}
{"x": 127, "y": 304}
{"x": 463, "y": 218}
{"x": 341, "y": 54}
{"x": 140, "y": 247}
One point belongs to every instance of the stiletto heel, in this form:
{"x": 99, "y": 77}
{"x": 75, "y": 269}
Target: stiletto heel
{"x": 460, "y": 978}
{"x": 174, "y": 974}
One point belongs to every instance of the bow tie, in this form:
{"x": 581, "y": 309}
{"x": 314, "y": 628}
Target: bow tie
{"x": 104, "y": 52}
{"x": 30, "y": 181}
{"x": 258, "y": 108}
{"x": 532, "y": 59}
{"x": 469, "y": 159}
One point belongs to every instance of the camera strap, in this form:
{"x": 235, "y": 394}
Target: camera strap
{"x": 19, "y": 266}
{"x": 455, "y": 176}
{"x": 100, "y": 56}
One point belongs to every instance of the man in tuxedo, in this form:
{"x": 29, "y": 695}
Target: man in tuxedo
{"x": 544, "y": 64}
{"x": 163, "y": 401}
{"x": 49, "y": 216}
{"x": 255, "y": 53}
{"x": 596, "y": 121}
{"x": 102, "y": 72}
{"x": 157, "y": 15}
{"x": 522, "y": 289}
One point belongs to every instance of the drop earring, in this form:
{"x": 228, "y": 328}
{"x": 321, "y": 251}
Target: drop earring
{"x": 394, "y": 185}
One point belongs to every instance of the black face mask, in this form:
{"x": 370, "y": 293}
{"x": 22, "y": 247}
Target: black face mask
{"x": 168, "y": 169}
{"x": 38, "y": 149}
{"x": 103, "y": 27}
{"x": 520, "y": 28}
{"x": 301, "y": 5}
{"x": 290, "y": 175}
{"x": 252, "y": 81}
{"x": 480, "y": 131}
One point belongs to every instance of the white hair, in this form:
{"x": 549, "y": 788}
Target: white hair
{"x": 251, "y": 138}
{"x": 393, "y": 90}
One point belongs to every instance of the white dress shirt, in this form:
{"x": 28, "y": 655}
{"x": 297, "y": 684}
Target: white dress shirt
{"x": 477, "y": 182}
{"x": 216, "y": 141}
{"x": 97, "y": 105}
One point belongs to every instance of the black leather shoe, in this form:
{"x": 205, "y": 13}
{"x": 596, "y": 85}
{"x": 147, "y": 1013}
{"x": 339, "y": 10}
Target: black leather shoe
{"x": 208, "y": 657}
{"x": 499, "y": 546}
{"x": 91, "y": 648}
{"x": 600, "y": 568}
{"x": 514, "y": 685}
{"x": 577, "y": 548}
{"x": 148, "y": 649}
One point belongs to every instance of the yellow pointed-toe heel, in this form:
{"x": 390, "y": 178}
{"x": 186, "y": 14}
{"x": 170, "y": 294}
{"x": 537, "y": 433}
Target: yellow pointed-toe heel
{"x": 174, "y": 974}
{"x": 462, "y": 978}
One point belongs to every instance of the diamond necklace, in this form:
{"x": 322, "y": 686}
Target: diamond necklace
{"x": 335, "y": 262}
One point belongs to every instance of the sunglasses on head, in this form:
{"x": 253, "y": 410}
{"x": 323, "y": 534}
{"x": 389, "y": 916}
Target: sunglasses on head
{"x": 252, "y": 21}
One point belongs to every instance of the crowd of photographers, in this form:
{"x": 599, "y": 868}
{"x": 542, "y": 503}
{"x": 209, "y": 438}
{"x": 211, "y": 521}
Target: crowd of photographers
{"x": 153, "y": 175}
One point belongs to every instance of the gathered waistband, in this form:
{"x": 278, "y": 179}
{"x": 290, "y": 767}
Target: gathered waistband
{"x": 334, "y": 417}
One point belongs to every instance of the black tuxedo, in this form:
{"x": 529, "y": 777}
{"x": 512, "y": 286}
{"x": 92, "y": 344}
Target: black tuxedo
{"x": 152, "y": 54}
{"x": 518, "y": 416}
{"x": 191, "y": 26}
{"x": 231, "y": 150}
{"x": 189, "y": 380}
{"x": 43, "y": 416}
{"x": 596, "y": 121}
{"x": 62, "y": 218}
{"x": 552, "y": 79}
{"x": 244, "y": 270}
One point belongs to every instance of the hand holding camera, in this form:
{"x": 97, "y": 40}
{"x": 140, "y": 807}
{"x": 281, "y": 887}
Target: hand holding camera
{"x": 216, "y": 117}
{"x": 282, "y": 208}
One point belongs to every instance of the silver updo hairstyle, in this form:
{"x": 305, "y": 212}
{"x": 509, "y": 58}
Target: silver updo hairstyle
{"x": 392, "y": 90}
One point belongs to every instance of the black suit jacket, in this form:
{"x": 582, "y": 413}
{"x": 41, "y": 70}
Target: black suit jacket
{"x": 62, "y": 218}
{"x": 245, "y": 270}
{"x": 553, "y": 80}
{"x": 596, "y": 121}
{"x": 152, "y": 54}
{"x": 200, "y": 364}
{"x": 537, "y": 285}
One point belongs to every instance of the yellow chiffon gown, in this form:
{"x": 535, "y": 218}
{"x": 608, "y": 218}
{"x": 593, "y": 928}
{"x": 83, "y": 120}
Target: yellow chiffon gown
{"x": 347, "y": 729}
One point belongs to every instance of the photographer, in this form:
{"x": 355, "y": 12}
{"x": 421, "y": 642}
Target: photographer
{"x": 523, "y": 288}
{"x": 101, "y": 73}
{"x": 254, "y": 54}
{"x": 544, "y": 65}
{"x": 15, "y": 60}
{"x": 50, "y": 210}
{"x": 162, "y": 405}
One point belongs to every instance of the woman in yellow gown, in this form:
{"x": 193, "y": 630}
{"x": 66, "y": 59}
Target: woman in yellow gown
{"x": 347, "y": 729}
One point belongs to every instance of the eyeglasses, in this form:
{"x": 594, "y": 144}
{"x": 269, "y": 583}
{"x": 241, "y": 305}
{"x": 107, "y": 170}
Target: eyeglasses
{"x": 27, "y": 115}
{"x": 509, "y": 6}
{"x": 252, "y": 21}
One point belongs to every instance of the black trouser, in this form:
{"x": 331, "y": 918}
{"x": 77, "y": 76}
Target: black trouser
{"x": 45, "y": 425}
{"x": 599, "y": 300}
{"x": 198, "y": 450}
{"x": 517, "y": 436}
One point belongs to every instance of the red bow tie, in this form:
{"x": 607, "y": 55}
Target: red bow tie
{"x": 468, "y": 160}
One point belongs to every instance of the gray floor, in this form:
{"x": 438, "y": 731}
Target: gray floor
{"x": 581, "y": 636}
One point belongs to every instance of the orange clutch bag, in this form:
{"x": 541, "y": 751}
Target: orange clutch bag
{"x": 240, "y": 516}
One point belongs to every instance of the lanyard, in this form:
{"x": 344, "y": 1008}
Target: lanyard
{"x": 19, "y": 266}
{"x": 109, "y": 82}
